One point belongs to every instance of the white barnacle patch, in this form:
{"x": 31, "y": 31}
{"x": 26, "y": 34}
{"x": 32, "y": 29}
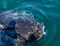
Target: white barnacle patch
{"x": 1, "y": 26}
{"x": 14, "y": 14}
{"x": 44, "y": 33}
{"x": 43, "y": 30}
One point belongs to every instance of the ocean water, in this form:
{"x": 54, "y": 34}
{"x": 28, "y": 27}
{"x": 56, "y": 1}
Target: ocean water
{"x": 46, "y": 11}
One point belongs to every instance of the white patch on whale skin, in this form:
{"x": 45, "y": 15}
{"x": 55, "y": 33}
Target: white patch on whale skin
{"x": 1, "y": 26}
{"x": 43, "y": 30}
{"x": 44, "y": 33}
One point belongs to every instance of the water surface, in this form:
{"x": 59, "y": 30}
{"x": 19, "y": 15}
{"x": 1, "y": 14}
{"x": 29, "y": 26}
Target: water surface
{"x": 46, "y": 11}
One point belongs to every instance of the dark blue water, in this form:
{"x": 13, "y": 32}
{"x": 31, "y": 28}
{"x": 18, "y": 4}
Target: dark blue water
{"x": 46, "y": 11}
